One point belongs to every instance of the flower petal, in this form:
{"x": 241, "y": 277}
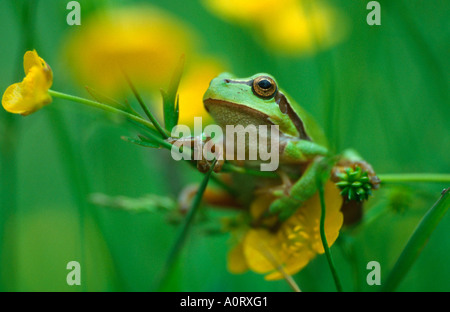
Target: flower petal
{"x": 29, "y": 95}
{"x": 262, "y": 250}
{"x": 236, "y": 260}
{"x": 31, "y": 59}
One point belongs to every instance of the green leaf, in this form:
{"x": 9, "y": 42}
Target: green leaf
{"x": 146, "y": 203}
{"x": 146, "y": 143}
{"x": 171, "y": 100}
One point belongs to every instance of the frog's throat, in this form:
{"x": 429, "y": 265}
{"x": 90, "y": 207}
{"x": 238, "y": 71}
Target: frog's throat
{"x": 245, "y": 109}
{"x": 283, "y": 105}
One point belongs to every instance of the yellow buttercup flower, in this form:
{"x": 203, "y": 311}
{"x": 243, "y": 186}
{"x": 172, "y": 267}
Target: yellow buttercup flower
{"x": 290, "y": 27}
{"x": 147, "y": 44}
{"x": 193, "y": 85}
{"x": 143, "y": 41}
{"x": 250, "y": 11}
{"x": 31, "y": 94}
{"x": 294, "y": 244}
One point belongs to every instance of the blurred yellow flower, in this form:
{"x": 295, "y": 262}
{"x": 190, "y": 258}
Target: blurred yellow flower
{"x": 147, "y": 44}
{"x": 31, "y": 94}
{"x": 144, "y": 42}
{"x": 193, "y": 85}
{"x": 286, "y": 26}
{"x": 246, "y": 11}
{"x": 296, "y": 242}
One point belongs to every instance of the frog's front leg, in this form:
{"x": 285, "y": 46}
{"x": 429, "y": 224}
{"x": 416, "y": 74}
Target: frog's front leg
{"x": 197, "y": 145}
{"x": 300, "y": 191}
{"x": 298, "y": 152}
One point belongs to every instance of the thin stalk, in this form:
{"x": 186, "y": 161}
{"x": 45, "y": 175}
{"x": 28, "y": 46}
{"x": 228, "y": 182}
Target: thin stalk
{"x": 288, "y": 278}
{"x": 415, "y": 177}
{"x": 324, "y": 238}
{"x": 417, "y": 242}
{"x": 182, "y": 234}
{"x": 144, "y": 107}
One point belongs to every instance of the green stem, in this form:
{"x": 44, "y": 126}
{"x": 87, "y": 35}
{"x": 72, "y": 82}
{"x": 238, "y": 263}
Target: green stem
{"x": 182, "y": 234}
{"x": 417, "y": 241}
{"x": 324, "y": 238}
{"x": 415, "y": 177}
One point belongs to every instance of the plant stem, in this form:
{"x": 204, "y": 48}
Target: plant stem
{"x": 414, "y": 177}
{"x": 182, "y": 234}
{"x": 324, "y": 238}
{"x": 417, "y": 241}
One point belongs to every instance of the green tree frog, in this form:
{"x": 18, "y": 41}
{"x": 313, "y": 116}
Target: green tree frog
{"x": 257, "y": 100}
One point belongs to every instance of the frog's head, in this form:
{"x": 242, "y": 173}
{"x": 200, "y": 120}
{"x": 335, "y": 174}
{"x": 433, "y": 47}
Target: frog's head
{"x": 255, "y": 100}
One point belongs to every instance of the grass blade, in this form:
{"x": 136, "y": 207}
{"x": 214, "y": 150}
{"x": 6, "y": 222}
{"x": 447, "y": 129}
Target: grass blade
{"x": 417, "y": 241}
{"x": 171, "y": 99}
{"x": 145, "y": 107}
{"x": 182, "y": 234}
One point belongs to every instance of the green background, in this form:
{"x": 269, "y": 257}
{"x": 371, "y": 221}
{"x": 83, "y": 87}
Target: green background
{"x": 389, "y": 82}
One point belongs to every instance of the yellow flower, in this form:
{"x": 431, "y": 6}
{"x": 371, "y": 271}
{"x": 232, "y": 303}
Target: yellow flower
{"x": 147, "y": 44}
{"x": 286, "y": 26}
{"x": 193, "y": 85}
{"x": 290, "y": 248}
{"x": 143, "y": 41}
{"x": 249, "y": 11}
{"x": 31, "y": 94}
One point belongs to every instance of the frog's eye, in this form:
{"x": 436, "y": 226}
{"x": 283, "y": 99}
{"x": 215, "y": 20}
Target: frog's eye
{"x": 264, "y": 86}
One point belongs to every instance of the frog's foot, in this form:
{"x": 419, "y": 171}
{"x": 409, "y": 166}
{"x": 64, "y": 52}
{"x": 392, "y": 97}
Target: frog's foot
{"x": 204, "y": 165}
{"x": 197, "y": 145}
